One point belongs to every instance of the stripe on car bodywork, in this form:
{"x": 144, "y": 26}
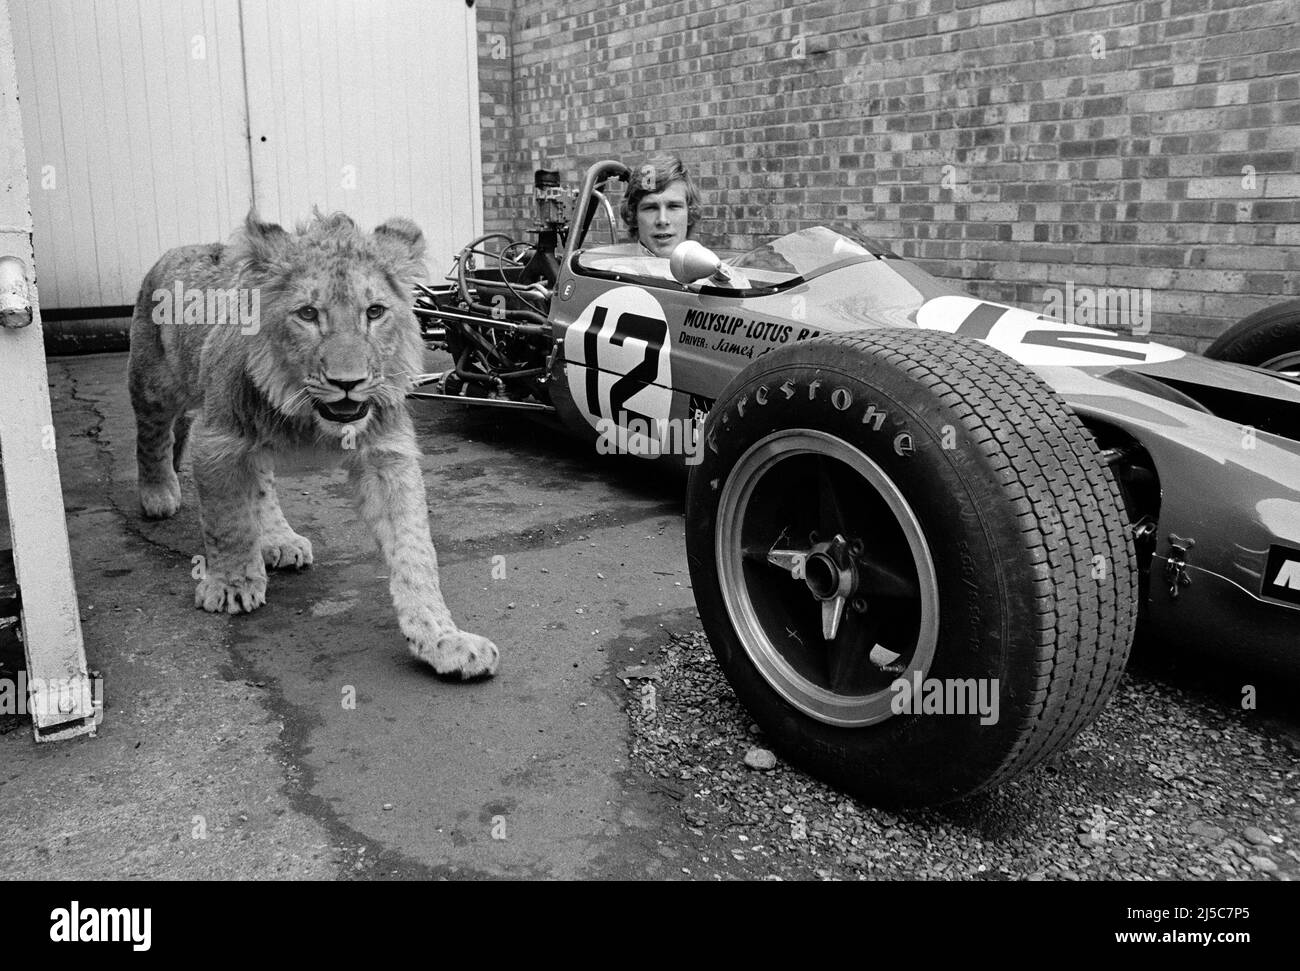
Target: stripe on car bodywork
{"x": 979, "y": 322}
{"x": 589, "y": 340}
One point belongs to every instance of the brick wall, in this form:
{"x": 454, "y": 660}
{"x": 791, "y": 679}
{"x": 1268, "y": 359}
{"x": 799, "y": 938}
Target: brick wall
{"x": 497, "y": 115}
{"x": 1016, "y": 145}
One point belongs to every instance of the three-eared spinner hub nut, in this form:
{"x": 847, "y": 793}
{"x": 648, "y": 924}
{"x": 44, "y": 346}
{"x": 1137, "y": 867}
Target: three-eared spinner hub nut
{"x": 828, "y": 571}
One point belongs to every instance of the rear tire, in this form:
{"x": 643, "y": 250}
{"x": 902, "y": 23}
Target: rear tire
{"x": 961, "y": 512}
{"x": 1268, "y": 338}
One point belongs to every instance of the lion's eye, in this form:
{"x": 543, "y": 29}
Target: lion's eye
{"x": 375, "y": 311}
{"x": 309, "y": 314}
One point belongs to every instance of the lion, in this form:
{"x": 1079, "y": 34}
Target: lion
{"x": 276, "y": 343}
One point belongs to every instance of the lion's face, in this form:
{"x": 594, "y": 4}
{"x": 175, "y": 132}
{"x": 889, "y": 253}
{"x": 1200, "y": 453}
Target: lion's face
{"x": 337, "y": 342}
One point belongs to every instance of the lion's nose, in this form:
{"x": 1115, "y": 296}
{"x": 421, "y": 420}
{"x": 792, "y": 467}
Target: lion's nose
{"x": 344, "y": 386}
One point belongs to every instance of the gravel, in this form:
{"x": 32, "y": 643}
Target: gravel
{"x": 1164, "y": 786}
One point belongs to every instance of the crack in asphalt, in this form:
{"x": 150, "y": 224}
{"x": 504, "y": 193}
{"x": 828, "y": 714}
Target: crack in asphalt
{"x": 536, "y": 537}
{"x": 104, "y": 459}
{"x": 376, "y": 858}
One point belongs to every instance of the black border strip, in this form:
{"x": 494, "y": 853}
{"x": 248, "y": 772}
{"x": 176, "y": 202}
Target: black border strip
{"x": 61, "y": 314}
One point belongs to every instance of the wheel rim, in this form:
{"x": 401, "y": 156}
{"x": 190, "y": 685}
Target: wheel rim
{"x": 1288, "y": 363}
{"x": 853, "y": 563}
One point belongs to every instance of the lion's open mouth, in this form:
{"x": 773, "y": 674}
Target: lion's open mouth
{"x": 344, "y": 410}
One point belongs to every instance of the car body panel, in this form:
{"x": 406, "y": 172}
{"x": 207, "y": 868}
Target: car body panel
{"x": 1229, "y": 512}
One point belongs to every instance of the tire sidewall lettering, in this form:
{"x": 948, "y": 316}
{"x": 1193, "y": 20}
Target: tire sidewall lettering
{"x": 877, "y": 414}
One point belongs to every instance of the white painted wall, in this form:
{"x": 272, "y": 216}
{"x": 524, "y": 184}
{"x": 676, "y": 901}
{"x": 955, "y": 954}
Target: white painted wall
{"x": 133, "y": 113}
{"x": 138, "y": 116}
{"x": 367, "y": 107}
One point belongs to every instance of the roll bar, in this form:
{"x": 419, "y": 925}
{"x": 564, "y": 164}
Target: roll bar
{"x": 597, "y": 175}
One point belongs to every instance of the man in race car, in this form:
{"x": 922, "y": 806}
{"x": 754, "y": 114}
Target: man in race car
{"x": 660, "y": 210}
{"x": 661, "y": 205}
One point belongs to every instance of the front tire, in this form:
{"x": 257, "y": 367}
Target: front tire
{"x": 904, "y": 507}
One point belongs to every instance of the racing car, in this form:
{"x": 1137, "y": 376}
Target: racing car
{"x": 900, "y": 497}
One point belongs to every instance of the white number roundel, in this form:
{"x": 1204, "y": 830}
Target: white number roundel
{"x": 619, "y": 365}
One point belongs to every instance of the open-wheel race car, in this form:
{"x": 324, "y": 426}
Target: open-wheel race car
{"x": 921, "y": 526}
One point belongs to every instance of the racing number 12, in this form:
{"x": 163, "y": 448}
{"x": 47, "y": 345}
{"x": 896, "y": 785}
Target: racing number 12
{"x": 629, "y": 325}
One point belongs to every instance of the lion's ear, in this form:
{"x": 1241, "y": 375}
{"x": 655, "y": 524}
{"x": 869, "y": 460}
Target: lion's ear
{"x": 259, "y": 245}
{"x": 401, "y": 241}
{"x": 399, "y": 231}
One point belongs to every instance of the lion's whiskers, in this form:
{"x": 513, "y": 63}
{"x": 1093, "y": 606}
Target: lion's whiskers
{"x": 293, "y": 401}
{"x": 290, "y": 408}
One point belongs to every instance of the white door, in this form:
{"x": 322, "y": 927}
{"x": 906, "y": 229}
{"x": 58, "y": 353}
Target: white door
{"x": 369, "y": 108}
{"x": 155, "y": 123}
{"x": 133, "y": 114}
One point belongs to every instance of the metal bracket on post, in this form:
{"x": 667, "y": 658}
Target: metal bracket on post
{"x": 15, "y": 305}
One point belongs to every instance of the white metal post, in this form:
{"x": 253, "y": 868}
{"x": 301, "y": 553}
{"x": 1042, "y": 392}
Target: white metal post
{"x": 58, "y": 688}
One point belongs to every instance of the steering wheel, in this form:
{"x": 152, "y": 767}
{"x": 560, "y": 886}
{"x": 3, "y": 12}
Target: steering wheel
{"x": 502, "y": 256}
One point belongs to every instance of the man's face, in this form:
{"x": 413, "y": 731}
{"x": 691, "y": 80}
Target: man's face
{"x": 661, "y": 219}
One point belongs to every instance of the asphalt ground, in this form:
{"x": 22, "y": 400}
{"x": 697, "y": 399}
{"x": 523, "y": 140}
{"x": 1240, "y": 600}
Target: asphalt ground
{"x": 303, "y": 740}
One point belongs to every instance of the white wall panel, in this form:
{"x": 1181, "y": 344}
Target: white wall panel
{"x": 147, "y": 140}
{"x": 368, "y": 106}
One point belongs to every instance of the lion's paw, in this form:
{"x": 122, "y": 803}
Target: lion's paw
{"x": 160, "y": 500}
{"x": 220, "y": 593}
{"x": 285, "y": 550}
{"x": 459, "y": 652}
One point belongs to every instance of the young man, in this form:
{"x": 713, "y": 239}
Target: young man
{"x": 660, "y": 210}
{"x": 661, "y": 205}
